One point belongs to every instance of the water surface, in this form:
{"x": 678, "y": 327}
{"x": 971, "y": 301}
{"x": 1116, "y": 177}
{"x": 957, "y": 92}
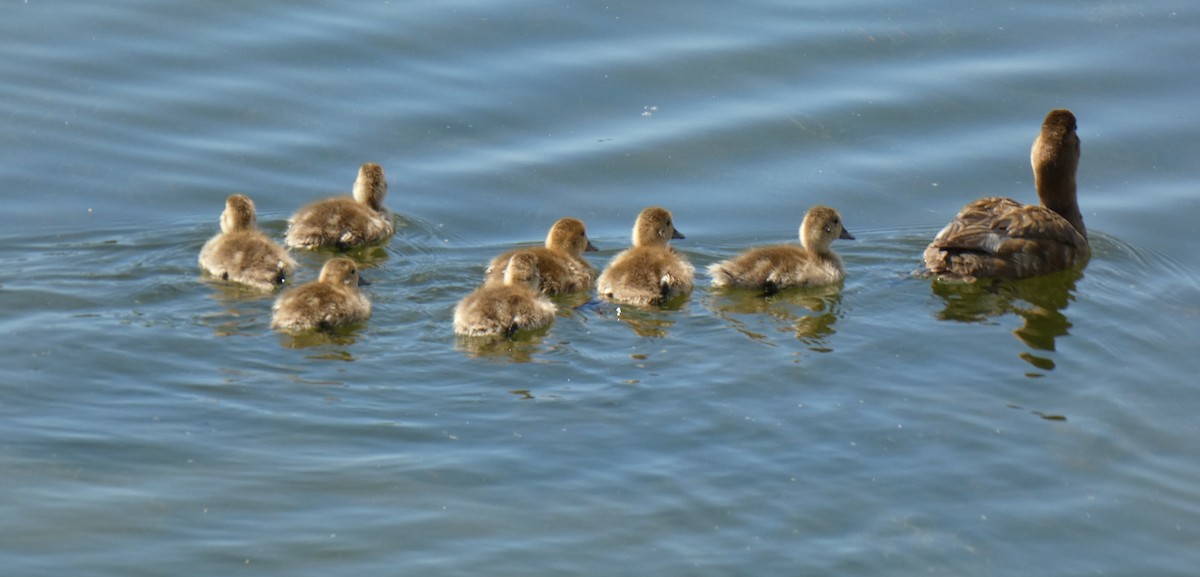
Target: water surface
{"x": 152, "y": 420}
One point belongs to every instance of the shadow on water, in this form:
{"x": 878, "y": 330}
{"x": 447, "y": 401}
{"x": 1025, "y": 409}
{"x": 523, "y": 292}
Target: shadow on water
{"x": 807, "y": 313}
{"x": 1039, "y": 301}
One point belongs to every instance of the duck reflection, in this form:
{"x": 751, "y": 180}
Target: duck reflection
{"x": 244, "y": 309}
{"x": 337, "y": 337}
{"x": 370, "y": 256}
{"x": 517, "y": 348}
{"x": 646, "y": 321}
{"x": 1039, "y": 301}
{"x": 808, "y": 313}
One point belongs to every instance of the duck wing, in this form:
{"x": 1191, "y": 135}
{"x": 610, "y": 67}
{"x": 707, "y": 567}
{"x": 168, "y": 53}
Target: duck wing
{"x": 1002, "y": 238}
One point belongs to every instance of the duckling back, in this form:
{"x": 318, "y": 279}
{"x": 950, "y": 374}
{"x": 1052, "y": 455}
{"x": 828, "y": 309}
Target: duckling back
{"x": 345, "y": 222}
{"x": 560, "y": 262}
{"x": 331, "y": 301}
{"x": 646, "y": 276}
{"x": 243, "y": 254}
{"x": 773, "y": 268}
{"x": 503, "y": 308}
{"x": 650, "y": 272}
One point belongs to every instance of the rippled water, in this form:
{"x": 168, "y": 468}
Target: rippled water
{"x": 152, "y": 421}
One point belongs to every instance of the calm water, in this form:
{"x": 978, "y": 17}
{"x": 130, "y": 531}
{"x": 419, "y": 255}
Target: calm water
{"x": 151, "y": 423}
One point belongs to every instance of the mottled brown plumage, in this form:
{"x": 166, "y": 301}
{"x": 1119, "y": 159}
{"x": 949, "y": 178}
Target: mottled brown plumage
{"x": 331, "y": 301}
{"x": 772, "y": 268}
{"x": 651, "y": 271}
{"x": 1002, "y": 238}
{"x": 344, "y": 222}
{"x": 560, "y": 262}
{"x": 243, "y": 254}
{"x": 514, "y": 303}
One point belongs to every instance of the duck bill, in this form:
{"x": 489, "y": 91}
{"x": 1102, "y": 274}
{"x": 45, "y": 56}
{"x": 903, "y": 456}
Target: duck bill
{"x": 677, "y": 234}
{"x": 846, "y": 235}
{"x": 591, "y": 247}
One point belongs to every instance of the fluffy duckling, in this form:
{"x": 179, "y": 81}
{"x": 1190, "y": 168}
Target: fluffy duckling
{"x": 1002, "y": 238}
{"x": 510, "y": 305}
{"x": 561, "y": 263}
{"x": 331, "y": 301}
{"x": 243, "y": 254}
{"x": 651, "y": 271}
{"x": 345, "y": 222}
{"x": 772, "y": 268}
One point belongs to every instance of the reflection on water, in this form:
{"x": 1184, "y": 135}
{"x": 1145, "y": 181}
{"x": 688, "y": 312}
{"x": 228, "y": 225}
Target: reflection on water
{"x": 807, "y": 313}
{"x": 367, "y": 257}
{"x": 648, "y": 321}
{"x": 1039, "y": 301}
{"x": 518, "y": 348}
{"x": 338, "y": 337}
{"x": 245, "y": 310}
{"x": 567, "y": 303}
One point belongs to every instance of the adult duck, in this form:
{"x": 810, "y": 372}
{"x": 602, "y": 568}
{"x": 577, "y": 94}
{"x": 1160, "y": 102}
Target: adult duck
{"x": 1002, "y": 238}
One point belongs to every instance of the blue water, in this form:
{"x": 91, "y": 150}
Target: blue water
{"x": 152, "y": 423}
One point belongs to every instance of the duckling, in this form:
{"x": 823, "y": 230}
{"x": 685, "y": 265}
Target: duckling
{"x": 331, "y": 301}
{"x": 651, "y": 271}
{"x": 243, "y": 254}
{"x": 772, "y": 268}
{"x": 1002, "y": 238}
{"x": 511, "y": 304}
{"x": 561, "y": 263}
{"x": 344, "y": 222}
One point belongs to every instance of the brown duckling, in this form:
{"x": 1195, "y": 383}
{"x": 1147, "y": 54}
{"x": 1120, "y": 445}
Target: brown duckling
{"x": 504, "y": 307}
{"x": 651, "y": 271}
{"x": 331, "y": 301}
{"x": 1002, "y": 238}
{"x": 561, "y": 264}
{"x": 243, "y": 254}
{"x": 344, "y": 222}
{"x": 773, "y": 268}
